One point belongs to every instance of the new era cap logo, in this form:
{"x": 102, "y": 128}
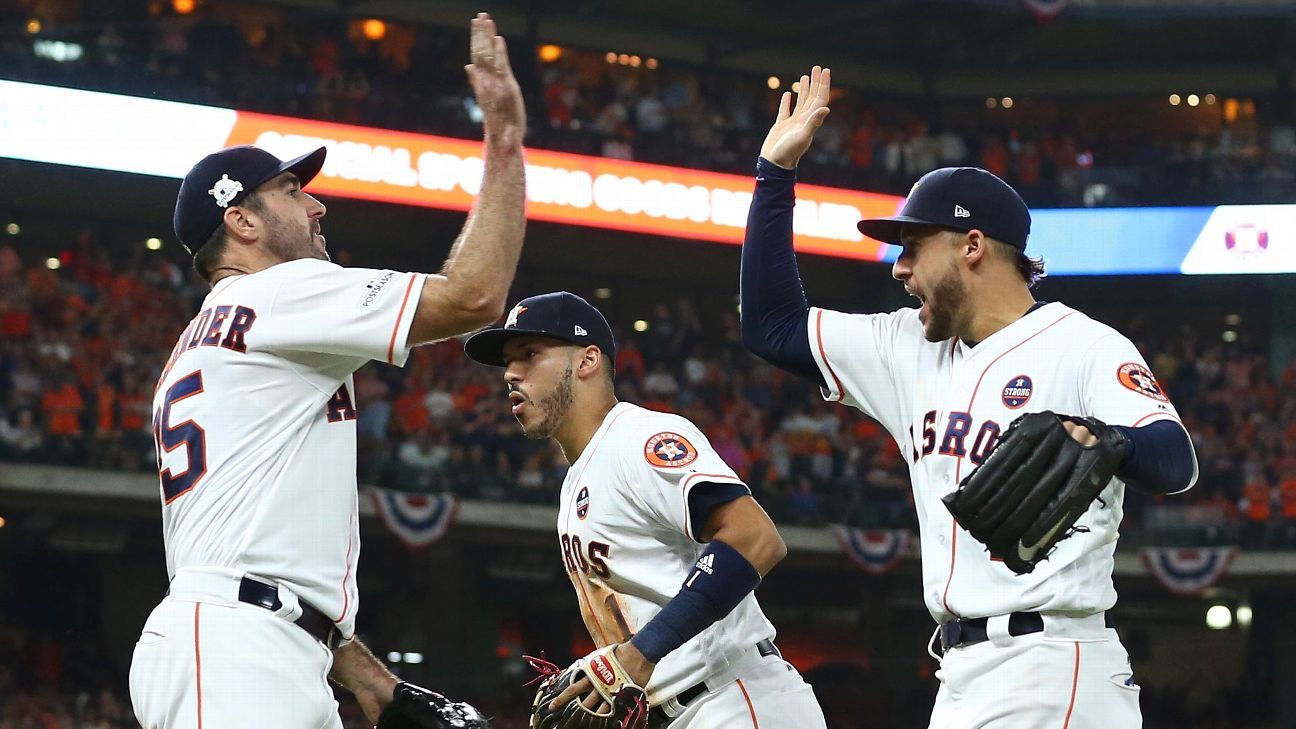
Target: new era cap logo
{"x": 961, "y": 212}
{"x": 579, "y": 330}
{"x": 225, "y": 190}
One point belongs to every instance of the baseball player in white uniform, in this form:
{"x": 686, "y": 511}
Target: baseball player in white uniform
{"x": 946, "y": 380}
{"x": 255, "y": 421}
{"x": 662, "y": 541}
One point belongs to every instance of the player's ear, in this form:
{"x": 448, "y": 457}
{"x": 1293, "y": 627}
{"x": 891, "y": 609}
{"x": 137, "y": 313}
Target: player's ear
{"x": 240, "y": 224}
{"x": 591, "y": 362}
{"x": 974, "y": 246}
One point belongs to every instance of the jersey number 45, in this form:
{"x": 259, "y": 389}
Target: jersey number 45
{"x": 189, "y": 434}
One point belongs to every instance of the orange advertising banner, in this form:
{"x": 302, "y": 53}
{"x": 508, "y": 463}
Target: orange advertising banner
{"x": 440, "y": 172}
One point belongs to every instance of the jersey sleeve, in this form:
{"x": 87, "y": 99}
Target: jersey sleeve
{"x": 351, "y": 312}
{"x": 667, "y": 459}
{"x": 1118, "y": 388}
{"x": 866, "y": 360}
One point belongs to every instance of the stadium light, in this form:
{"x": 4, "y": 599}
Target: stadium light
{"x": 153, "y": 244}
{"x": 651, "y": 63}
{"x": 394, "y": 657}
{"x": 374, "y": 29}
{"x": 1243, "y": 614}
{"x": 2, "y": 522}
{"x": 641, "y": 325}
{"x": 623, "y": 59}
{"x": 610, "y": 57}
{"x": 773, "y": 82}
{"x": 549, "y": 53}
{"x": 183, "y": 7}
{"x": 1174, "y": 99}
{"x": 413, "y": 658}
{"x": 991, "y": 102}
{"x": 1209, "y": 99}
{"x": 635, "y": 61}
{"x": 1219, "y": 617}
{"x": 1007, "y": 102}
{"x": 13, "y": 229}
{"x": 603, "y": 292}
{"x": 33, "y": 26}
{"x": 52, "y": 263}
{"x": 1193, "y": 100}
{"x": 1229, "y": 336}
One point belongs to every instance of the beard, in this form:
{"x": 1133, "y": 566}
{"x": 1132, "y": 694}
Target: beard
{"x": 289, "y": 243}
{"x": 949, "y": 293}
{"x": 553, "y": 408}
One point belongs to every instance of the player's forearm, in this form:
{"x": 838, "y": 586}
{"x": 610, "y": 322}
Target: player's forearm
{"x": 774, "y": 307}
{"x": 481, "y": 264}
{"x": 1160, "y": 459}
{"x": 357, "y": 670}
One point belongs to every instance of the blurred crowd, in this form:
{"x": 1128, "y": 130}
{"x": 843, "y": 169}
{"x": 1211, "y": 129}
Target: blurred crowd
{"x": 1056, "y": 152}
{"x": 81, "y": 346}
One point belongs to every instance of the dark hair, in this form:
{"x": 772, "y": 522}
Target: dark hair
{"x": 208, "y": 255}
{"x": 1030, "y": 268}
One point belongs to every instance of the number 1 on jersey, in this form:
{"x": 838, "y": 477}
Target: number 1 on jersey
{"x": 189, "y": 434}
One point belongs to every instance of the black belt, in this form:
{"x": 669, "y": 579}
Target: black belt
{"x": 658, "y": 718}
{"x": 966, "y": 631}
{"x": 255, "y": 592}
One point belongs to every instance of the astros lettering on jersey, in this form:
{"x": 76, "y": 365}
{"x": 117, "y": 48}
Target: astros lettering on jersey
{"x": 255, "y": 421}
{"x": 946, "y": 404}
{"x": 627, "y": 543}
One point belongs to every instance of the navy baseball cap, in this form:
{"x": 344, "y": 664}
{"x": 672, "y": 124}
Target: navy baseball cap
{"x": 225, "y": 178}
{"x": 961, "y": 198}
{"x": 560, "y": 315}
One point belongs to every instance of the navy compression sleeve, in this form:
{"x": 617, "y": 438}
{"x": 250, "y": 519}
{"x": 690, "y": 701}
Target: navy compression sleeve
{"x": 1160, "y": 459}
{"x": 719, "y": 581}
{"x": 775, "y": 312}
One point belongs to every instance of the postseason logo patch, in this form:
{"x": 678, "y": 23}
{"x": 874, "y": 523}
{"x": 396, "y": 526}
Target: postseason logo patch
{"x": 1141, "y": 380}
{"x": 1017, "y": 392}
{"x": 375, "y": 287}
{"x": 669, "y": 450}
{"x": 582, "y": 503}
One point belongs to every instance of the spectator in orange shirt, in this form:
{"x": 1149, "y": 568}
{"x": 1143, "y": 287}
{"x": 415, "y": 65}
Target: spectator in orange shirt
{"x": 135, "y": 411}
{"x": 106, "y": 445}
{"x": 62, "y": 406}
{"x": 1257, "y": 506}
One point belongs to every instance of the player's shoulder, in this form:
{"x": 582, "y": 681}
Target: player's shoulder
{"x": 660, "y": 439}
{"x": 906, "y": 318}
{"x": 1079, "y": 326}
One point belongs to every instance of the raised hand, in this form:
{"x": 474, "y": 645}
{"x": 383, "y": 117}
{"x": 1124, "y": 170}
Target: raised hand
{"x": 794, "y": 128}
{"x": 493, "y": 83}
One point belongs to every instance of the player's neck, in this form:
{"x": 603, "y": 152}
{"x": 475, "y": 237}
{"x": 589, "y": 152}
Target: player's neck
{"x": 994, "y": 311}
{"x": 582, "y": 422}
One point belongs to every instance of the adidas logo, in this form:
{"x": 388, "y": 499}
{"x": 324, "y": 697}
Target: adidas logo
{"x": 961, "y": 212}
{"x": 580, "y": 331}
{"x": 707, "y": 564}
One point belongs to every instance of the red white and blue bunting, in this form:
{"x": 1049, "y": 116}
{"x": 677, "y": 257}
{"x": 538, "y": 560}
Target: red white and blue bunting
{"x": 416, "y": 519}
{"x": 1188, "y": 571}
{"x": 874, "y": 551}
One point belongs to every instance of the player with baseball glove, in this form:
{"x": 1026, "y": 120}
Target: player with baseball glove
{"x": 1022, "y": 423}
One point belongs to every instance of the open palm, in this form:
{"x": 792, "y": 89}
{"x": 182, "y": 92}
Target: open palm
{"x": 794, "y": 128}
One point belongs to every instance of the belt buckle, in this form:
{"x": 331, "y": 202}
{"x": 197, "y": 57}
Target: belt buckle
{"x": 950, "y": 632}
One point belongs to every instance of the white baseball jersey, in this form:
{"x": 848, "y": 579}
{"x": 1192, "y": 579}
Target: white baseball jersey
{"x": 946, "y": 404}
{"x": 255, "y": 422}
{"x": 627, "y": 541}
